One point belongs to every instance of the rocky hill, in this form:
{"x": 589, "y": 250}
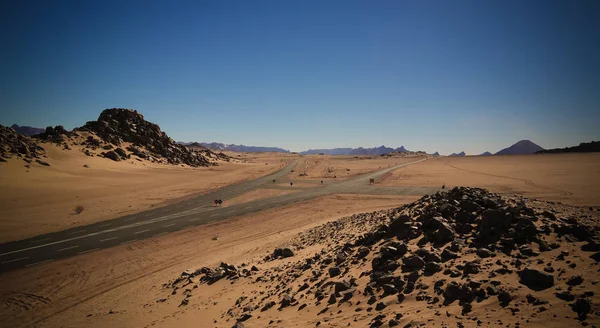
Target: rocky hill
{"x": 16, "y": 144}
{"x": 487, "y": 153}
{"x": 462, "y": 153}
{"x": 523, "y": 147}
{"x": 462, "y": 258}
{"x": 334, "y": 151}
{"x": 584, "y": 147}
{"x": 117, "y": 126}
{"x": 242, "y": 148}
{"x": 356, "y": 151}
{"x": 27, "y": 130}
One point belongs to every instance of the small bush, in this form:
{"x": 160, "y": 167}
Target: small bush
{"x": 79, "y": 209}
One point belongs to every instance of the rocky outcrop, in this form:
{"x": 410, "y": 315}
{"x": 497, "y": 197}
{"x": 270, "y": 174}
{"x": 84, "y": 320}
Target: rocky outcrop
{"x": 13, "y": 143}
{"x": 57, "y": 135}
{"x": 465, "y": 248}
{"x": 118, "y": 125}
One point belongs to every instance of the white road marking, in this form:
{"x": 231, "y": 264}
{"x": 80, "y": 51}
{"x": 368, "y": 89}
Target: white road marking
{"x": 231, "y": 211}
{"x": 36, "y": 263}
{"x": 15, "y": 260}
{"x": 107, "y": 239}
{"x": 165, "y": 210}
{"x": 192, "y": 220}
{"x": 160, "y": 234}
{"x": 89, "y": 250}
{"x": 67, "y": 248}
{"x": 147, "y": 215}
{"x": 249, "y": 207}
{"x": 37, "y": 241}
{"x": 214, "y": 215}
{"x": 105, "y": 225}
{"x": 130, "y": 219}
{"x": 168, "y": 225}
{"x": 142, "y": 231}
{"x": 127, "y": 242}
{"x": 75, "y": 232}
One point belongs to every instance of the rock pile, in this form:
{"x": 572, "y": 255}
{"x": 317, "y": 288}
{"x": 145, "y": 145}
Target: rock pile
{"x": 458, "y": 252}
{"x": 118, "y": 125}
{"x": 58, "y": 135}
{"x": 13, "y": 143}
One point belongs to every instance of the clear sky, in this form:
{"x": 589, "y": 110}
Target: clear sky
{"x": 439, "y": 76}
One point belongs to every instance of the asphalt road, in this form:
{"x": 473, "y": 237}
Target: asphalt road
{"x": 192, "y": 212}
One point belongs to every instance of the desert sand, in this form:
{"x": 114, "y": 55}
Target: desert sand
{"x": 125, "y": 278}
{"x": 569, "y": 178}
{"x": 42, "y": 199}
{"x": 131, "y": 285}
{"x": 325, "y": 167}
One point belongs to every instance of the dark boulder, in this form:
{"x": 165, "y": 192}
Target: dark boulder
{"x": 494, "y": 223}
{"x": 112, "y": 155}
{"x": 413, "y": 262}
{"x": 575, "y": 280}
{"x": 535, "y": 279}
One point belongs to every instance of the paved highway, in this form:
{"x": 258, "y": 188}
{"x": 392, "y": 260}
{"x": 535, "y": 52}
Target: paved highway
{"x": 192, "y": 212}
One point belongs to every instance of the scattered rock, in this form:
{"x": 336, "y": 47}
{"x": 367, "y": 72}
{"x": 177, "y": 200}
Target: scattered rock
{"x": 535, "y": 279}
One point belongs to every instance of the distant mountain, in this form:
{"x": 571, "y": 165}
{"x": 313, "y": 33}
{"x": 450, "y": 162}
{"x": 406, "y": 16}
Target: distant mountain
{"x": 523, "y": 147}
{"x": 376, "y": 151}
{"x": 436, "y": 154}
{"x": 487, "y": 153}
{"x": 334, "y": 151}
{"x": 27, "y": 130}
{"x": 462, "y": 153}
{"x": 192, "y": 145}
{"x": 584, "y": 147}
{"x": 241, "y": 148}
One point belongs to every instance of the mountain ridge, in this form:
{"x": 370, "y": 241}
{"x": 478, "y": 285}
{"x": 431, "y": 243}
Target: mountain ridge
{"x": 356, "y": 151}
{"x": 27, "y": 130}
{"x": 584, "y": 147}
{"x": 239, "y": 148}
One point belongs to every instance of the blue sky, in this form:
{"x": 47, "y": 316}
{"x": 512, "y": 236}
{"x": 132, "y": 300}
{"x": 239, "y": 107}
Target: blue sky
{"x": 439, "y": 76}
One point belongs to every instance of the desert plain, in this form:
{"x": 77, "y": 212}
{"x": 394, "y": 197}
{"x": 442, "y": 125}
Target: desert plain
{"x": 136, "y": 284}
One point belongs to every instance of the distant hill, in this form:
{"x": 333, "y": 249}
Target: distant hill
{"x": 436, "y": 154}
{"x": 356, "y": 151}
{"x": 584, "y": 147}
{"x": 334, "y": 151}
{"x": 487, "y": 153}
{"x": 523, "y": 147}
{"x": 462, "y": 153}
{"x": 193, "y": 145}
{"x": 27, "y": 130}
{"x": 241, "y": 148}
